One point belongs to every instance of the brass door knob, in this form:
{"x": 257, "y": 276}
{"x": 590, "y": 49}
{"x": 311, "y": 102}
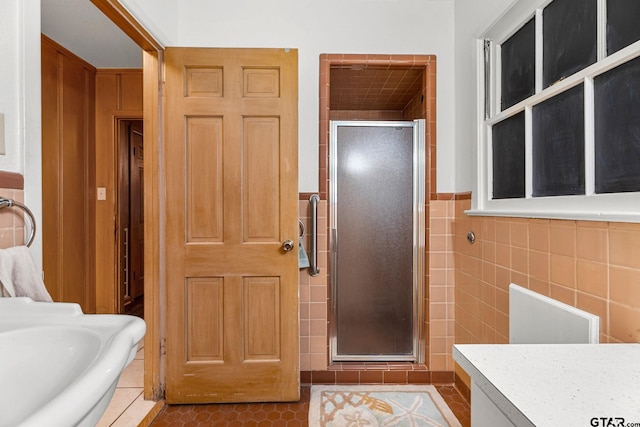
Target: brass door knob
{"x": 287, "y": 245}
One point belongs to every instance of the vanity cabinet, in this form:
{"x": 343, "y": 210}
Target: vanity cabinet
{"x": 552, "y": 384}
{"x": 485, "y": 413}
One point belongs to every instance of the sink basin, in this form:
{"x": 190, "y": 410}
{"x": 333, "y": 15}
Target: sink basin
{"x": 59, "y": 366}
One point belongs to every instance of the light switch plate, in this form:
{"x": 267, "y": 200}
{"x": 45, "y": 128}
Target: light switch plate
{"x": 2, "y": 149}
{"x": 102, "y": 193}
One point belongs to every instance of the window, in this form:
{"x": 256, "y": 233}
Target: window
{"x": 508, "y": 158}
{"x": 622, "y": 24}
{"x": 617, "y": 129}
{"x": 562, "y": 130}
{"x": 558, "y": 145}
{"x": 519, "y": 72}
{"x": 568, "y": 38}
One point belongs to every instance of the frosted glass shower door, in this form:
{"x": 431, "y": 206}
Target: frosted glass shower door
{"x": 374, "y": 241}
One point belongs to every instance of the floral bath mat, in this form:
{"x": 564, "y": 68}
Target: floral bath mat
{"x": 378, "y": 405}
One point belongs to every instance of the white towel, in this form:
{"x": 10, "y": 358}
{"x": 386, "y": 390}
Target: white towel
{"x": 303, "y": 260}
{"x": 19, "y": 276}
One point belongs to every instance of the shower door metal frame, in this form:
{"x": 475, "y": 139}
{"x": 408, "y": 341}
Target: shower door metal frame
{"x": 419, "y": 176}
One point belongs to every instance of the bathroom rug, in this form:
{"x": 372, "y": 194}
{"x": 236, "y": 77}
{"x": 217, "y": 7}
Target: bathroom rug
{"x": 378, "y": 405}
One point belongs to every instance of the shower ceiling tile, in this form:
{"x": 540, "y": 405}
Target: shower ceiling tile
{"x": 364, "y": 88}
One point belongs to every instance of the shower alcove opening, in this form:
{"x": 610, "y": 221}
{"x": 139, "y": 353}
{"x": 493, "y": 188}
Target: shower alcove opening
{"x": 389, "y": 88}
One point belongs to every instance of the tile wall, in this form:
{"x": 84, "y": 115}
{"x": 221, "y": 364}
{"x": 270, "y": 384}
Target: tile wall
{"x": 314, "y": 296}
{"x": 439, "y": 310}
{"x": 594, "y": 266}
{"x": 423, "y": 105}
{"x": 366, "y": 115}
{"x": 11, "y": 220}
{"x": 314, "y": 292}
{"x": 441, "y": 284}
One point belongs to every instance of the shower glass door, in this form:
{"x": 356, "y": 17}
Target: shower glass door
{"x": 377, "y": 240}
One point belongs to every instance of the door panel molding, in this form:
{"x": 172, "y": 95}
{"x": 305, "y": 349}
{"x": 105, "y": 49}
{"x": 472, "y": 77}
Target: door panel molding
{"x": 231, "y": 199}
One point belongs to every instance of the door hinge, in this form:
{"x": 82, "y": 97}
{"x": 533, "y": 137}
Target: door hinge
{"x": 163, "y": 346}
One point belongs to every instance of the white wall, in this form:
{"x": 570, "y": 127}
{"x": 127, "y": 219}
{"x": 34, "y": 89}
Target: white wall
{"x": 446, "y": 28}
{"x": 20, "y": 100}
{"x": 10, "y": 84}
{"x": 472, "y": 18}
{"x": 334, "y": 26}
{"x": 331, "y": 26}
{"x": 160, "y": 18}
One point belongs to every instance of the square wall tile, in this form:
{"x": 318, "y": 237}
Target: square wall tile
{"x": 624, "y": 286}
{"x": 562, "y": 238}
{"x": 624, "y": 323}
{"x": 624, "y": 249}
{"x": 593, "y": 278}
{"x": 592, "y": 243}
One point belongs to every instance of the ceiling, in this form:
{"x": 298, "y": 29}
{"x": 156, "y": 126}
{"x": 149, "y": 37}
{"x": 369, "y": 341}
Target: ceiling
{"x": 364, "y": 88}
{"x": 81, "y": 28}
{"x": 84, "y": 30}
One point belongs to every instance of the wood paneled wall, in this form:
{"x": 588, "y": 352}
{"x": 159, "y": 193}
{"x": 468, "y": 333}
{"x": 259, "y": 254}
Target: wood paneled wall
{"x": 68, "y": 182}
{"x": 118, "y": 96}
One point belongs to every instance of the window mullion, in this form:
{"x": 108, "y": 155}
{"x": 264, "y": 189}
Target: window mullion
{"x": 602, "y": 29}
{"x": 539, "y": 51}
{"x": 496, "y": 76}
{"x": 589, "y": 137}
{"x": 528, "y": 152}
{"x": 528, "y": 112}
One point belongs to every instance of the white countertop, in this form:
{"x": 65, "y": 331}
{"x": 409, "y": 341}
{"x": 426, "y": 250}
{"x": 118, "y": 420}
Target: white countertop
{"x": 557, "y": 384}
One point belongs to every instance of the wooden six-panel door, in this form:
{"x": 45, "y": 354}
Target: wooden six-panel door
{"x": 231, "y": 201}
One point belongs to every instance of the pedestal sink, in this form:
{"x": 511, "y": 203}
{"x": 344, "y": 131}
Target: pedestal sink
{"x": 59, "y": 366}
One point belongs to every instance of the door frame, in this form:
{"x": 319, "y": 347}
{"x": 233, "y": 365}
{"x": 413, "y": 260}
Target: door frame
{"x": 419, "y": 238}
{"x": 121, "y": 153}
{"x": 429, "y": 64}
{"x": 153, "y": 63}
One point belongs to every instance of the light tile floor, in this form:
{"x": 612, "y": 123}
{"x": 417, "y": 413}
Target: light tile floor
{"x": 128, "y": 407}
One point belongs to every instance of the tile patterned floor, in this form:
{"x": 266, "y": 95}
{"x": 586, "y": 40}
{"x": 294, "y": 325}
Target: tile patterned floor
{"x": 272, "y": 414}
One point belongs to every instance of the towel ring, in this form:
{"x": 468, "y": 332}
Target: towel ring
{"x": 300, "y": 228}
{"x": 8, "y": 203}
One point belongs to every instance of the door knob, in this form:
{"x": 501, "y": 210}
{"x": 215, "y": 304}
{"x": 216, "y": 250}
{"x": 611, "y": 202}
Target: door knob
{"x": 287, "y": 245}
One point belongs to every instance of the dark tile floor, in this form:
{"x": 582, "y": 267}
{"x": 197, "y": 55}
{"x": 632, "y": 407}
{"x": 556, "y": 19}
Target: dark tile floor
{"x": 272, "y": 414}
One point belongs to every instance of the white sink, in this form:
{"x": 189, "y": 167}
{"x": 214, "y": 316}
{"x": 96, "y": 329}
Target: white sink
{"x": 59, "y": 366}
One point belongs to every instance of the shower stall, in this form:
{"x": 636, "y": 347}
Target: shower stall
{"x": 377, "y": 201}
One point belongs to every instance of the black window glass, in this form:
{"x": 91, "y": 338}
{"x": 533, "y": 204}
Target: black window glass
{"x": 569, "y": 38}
{"x": 508, "y": 158}
{"x": 623, "y": 26}
{"x": 518, "y": 73}
{"x": 617, "y": 129}
{"x": 558, "y": 145}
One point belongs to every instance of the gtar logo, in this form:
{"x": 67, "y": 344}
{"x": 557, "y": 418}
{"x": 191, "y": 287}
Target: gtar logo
{"x": 607, "y": 422}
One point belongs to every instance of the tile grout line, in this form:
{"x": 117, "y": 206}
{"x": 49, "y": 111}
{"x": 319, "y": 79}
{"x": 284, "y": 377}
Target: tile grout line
{"x": 128, "y": 406}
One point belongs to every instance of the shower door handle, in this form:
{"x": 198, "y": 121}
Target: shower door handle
{"x": 287, "y": 245}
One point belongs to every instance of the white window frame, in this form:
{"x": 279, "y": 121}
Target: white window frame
{"x": 618, "y": 207}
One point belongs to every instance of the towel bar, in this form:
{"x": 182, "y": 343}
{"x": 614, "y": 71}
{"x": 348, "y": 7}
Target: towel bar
{"x": 313, "y": 269}
{"x": 8, "y": 203}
